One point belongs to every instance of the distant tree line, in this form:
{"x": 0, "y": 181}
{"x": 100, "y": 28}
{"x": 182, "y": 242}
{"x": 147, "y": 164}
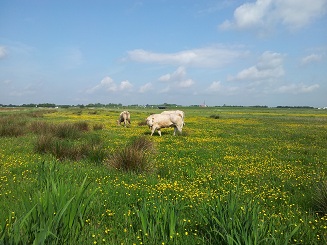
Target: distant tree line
{"x": 97, "y": 105}
{"x": 296, "y": 107}
{"x": 51, "y": 105}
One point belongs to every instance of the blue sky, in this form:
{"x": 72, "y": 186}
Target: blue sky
{"x": 259, "y": 52}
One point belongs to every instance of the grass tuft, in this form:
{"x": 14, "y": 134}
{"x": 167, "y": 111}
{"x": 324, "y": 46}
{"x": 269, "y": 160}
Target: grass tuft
{"x": 67, "y": 141}
{"x": 98, "y": 126}
{"x": 320, "y": 198}
{"x": 136, "y": 157}
{"x": 214, "y": 116}
{"x": 12, "y": 126}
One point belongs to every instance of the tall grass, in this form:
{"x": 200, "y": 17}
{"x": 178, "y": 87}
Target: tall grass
{"x": 56, "y": 213}
{"x": 159, "y": 222}
{"x": 232, "y": 221}
{"x": 68, "y": 141}
{"x": 135, "y": 157}
{"x": 320, "y": 198}
{"x": 12, "y": 125}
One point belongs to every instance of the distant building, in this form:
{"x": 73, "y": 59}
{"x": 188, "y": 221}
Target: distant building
{"x": 204, "y": 104}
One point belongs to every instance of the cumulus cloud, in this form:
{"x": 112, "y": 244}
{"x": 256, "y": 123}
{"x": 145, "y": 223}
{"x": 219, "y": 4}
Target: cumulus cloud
{"x": 293, "y": 14}
{"x": 146, "y": 87}
{"x": 268, "y": 68}
{"x": 108, "y": 84}
{"x": 248, "y": 15}
{"x": 297, "y": 88}
{"x": 310, "y": 59}
{"x": 3, "y": 52}
{"x": 218, "y": 87}
{"x": 211, "y": 57}
{"x": 177, "y": 75}
{"x": 177, "y": 79}
{"x": 125, "y": 85}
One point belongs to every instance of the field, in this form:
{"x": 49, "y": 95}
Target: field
{"x": 234, "y": 176}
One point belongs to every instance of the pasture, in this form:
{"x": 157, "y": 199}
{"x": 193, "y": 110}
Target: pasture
{"x": 234, "y": 176}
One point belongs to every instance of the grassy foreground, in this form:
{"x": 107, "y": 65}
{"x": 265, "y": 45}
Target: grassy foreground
{"x": 234, "y": 176}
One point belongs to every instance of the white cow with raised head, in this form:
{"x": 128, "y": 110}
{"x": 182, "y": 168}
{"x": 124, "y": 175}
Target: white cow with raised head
{"x": 159, "y": 121}
{"x": 125, "y": 117}
{"x": 181, "y": 113}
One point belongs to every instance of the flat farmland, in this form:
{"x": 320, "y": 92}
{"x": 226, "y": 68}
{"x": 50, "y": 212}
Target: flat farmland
{"x": 234, "y": 176}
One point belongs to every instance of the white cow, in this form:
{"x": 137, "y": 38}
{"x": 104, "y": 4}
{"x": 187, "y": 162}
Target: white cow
{"x": 181, "y": 113}
{"x": 159, "y": 121}
{"x": 125, "y": 117}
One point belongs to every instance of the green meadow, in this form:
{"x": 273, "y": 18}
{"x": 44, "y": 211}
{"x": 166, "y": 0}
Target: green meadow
{"x": 234, "y": 176}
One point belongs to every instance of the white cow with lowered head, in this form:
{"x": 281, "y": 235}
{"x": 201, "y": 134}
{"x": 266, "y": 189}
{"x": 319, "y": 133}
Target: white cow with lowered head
{"x": 125, "y": 117}
{"x": 159, "y": 121}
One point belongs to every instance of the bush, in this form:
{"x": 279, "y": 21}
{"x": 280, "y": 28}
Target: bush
{"x": 136, "y": 157}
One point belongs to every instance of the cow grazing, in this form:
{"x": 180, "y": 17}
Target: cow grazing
{"x": 181, "y": 113}
{"x": 159, "y": 121}
{"x": 125, "y": 117}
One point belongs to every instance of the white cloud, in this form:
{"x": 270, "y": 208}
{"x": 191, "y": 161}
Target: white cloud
{"x": 146, "y": 87}
{"x": 177, "y": 79}
{"x": 211, "y": 57}
{"x": 164, "y": 78}
{"x": 125, "y": 85}
{"x": 3, "y": 52}
{"x": 218, "y": 87}
{"x": 108, "y": 84}
{"x": 177, "y": 75}
{"x": 310, "y": 59}
{"x": 186, "y": 83}
{"x": 249, "y": 14}
{"x": 294, "y": 14}
{"x": 297, "y": 88}
{"x": 269, "y": 67}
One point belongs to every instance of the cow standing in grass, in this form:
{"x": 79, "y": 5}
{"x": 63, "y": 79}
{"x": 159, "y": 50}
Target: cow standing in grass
{"x": 159, "y": 121}
{"x": 125, "y": 117}
{"x": 181, "y": 113}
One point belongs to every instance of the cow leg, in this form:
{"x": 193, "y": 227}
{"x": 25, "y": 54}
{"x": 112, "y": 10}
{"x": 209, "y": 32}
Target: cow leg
{"x": 152, "y": 130}
{"x": 159, "y": 132}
